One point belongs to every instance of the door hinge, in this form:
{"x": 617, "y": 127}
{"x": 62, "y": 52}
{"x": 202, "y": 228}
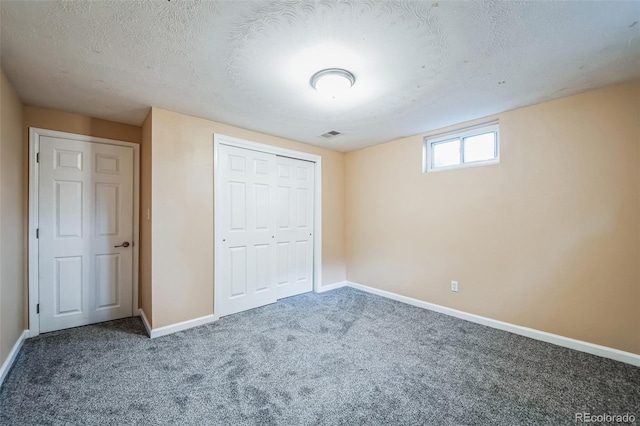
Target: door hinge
{"x": 38, "y": 308}
{"x": 37, "y": 232}
{"x": 37, "y": 157}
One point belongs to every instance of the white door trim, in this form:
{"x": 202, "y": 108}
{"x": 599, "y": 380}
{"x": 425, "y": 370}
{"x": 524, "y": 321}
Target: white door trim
{"x": 34, "y": 148}
{"x": 317, "y": 220}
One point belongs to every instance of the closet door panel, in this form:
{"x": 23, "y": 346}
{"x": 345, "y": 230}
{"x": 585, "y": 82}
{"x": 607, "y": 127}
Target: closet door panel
{"x": 247, "y": 246}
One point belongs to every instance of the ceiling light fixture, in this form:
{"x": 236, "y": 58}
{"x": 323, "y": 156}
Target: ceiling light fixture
{"x": 332, "y": 82}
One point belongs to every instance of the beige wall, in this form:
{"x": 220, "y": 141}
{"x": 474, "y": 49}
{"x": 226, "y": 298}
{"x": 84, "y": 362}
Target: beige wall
{"x": 144, "y": 285}
{"x": 547, "y": 239}
{"x": 80, "y": 124}
{"x": 12, "y": 220}
{"x": 182, "y": 213}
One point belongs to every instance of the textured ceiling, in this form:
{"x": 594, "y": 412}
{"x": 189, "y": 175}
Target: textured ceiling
{"x": 419, "y": 65}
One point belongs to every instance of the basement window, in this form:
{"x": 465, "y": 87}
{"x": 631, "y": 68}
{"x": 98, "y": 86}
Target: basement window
{"x": 478, "y": 146}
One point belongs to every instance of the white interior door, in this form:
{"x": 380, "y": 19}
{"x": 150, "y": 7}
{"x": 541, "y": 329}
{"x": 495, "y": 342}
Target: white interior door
{"x": 294, "y": 231}
{"x": 85, "y": 215}
{"x": 247, "y": 229}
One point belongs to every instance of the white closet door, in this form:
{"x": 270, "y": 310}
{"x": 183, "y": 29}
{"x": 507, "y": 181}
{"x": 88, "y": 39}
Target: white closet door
{"x": 294, "y": 231}
{"x": 85, "y": 215}
{"x": 247, "y": 234}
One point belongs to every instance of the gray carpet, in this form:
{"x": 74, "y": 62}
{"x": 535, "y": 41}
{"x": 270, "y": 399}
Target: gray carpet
{"x": 340, "y": 358}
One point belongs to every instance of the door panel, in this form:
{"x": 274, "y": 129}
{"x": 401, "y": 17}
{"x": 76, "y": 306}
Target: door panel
{"x": 247, "y": 218}
{"x": 107, "y": 274}
{"x": 294, "y": 233}
{"x": 85, "y": 208}
{"x": 66, "y": 159}
{"x": 68, "y": 285}
{"x": 302, "y": 215}
{"x": 238, "y": 257}
{"x": 283, "y": 207}
{"x": 107, "y": 196}
{"x": 283, "y": 262}
{"x": 301, "y": 260}
{"x": 68, "y": 207}
{"x": 262, "y": 206}
{"x": 262, "y": 267}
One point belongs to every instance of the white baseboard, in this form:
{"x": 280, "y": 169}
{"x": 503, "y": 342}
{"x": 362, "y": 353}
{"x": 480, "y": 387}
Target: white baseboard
{"x": 333, "y": 286}
{"x": 6, "y": 366}
{"x": 567, "y": 342}
{"x": 174, "y": 328}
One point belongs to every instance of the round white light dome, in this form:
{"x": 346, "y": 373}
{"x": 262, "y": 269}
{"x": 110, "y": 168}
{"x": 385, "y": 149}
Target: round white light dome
{"x": 332, "y": 82}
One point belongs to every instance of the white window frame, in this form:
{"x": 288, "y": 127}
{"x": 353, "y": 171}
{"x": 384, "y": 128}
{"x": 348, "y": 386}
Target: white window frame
{"x": 430, "y": 141}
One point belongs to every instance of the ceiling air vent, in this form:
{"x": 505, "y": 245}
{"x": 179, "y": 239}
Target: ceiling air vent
{"x": 331, "y": 134}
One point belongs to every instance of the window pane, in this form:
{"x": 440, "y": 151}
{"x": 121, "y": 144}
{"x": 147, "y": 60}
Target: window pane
{"x": 446, "y": 153}
{"x": 480, "y": 147}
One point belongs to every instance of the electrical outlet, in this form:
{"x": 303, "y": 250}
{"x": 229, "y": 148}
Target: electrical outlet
{"x": 454, "y": 285}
